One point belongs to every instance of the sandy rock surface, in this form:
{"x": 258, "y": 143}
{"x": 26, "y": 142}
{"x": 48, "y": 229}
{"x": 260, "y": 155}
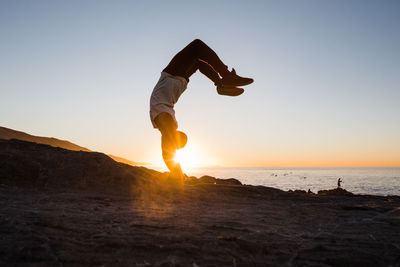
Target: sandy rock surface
{"x": 134, "y": 218}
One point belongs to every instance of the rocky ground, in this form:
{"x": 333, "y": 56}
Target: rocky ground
{"x": 66, "y": 208}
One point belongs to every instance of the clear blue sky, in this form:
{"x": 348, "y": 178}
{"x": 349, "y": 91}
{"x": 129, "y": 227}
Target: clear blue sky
{"x": 326, "y": 90}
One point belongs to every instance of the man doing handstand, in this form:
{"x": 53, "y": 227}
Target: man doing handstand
{"x": 173, "y": 82}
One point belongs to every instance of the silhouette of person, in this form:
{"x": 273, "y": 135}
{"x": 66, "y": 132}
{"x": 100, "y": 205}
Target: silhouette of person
{"x": 173, "y": 82}
{"x": 339, "y": 181}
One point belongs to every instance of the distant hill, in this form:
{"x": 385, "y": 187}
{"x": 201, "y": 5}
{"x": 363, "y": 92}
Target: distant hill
{"x": 8, "y": 134}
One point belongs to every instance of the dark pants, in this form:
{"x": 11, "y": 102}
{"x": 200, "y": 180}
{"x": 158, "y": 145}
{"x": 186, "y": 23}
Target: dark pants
{"x": 197, "y": 56}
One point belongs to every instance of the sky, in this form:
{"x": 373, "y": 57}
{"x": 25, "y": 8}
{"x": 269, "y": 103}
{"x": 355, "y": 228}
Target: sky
{"x": 326, "y": 88}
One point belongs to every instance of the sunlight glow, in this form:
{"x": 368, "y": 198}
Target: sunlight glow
{"x": 188, "y": 158}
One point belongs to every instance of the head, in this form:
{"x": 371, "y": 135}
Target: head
{"x": 181, "y": 139}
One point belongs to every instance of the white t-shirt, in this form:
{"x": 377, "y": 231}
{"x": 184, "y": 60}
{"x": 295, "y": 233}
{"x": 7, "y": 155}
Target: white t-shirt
{"x": 165, "y": 95}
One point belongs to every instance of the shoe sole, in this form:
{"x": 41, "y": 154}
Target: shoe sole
{"x": 230, "y": 91}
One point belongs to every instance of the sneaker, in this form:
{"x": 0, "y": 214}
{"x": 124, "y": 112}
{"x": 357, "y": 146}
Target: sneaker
{"x": 235, "y": 80}
{"x": 229, "y": 90}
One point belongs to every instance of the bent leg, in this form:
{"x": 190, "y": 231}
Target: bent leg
{"x": 198, "y": 55}
{"x": 200, "y": 50}
{"x": 186, "y": 62}
{"x": 205, "y": 54}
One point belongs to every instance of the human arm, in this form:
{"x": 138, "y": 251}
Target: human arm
{"x": 170, "y": 142}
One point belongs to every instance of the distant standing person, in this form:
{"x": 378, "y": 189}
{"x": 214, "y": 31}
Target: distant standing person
{"x": 339, "y": 181}
{"x": 173, "y": 82}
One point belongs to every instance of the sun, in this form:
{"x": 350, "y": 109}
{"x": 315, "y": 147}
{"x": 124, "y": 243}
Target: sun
{"x": 188, "y": 158}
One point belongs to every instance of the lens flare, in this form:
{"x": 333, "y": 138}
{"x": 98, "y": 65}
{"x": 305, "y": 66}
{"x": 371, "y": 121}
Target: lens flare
{"x": 188, "y": 158}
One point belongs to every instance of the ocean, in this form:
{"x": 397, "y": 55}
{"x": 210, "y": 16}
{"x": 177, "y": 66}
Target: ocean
{"x": 373, "y": 181}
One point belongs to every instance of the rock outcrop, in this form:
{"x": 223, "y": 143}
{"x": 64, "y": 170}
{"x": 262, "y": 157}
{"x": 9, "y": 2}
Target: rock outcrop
{"x": 8, "y": 134}
{"x": 75, "y": 208}
{"x": 42, "y": 166}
